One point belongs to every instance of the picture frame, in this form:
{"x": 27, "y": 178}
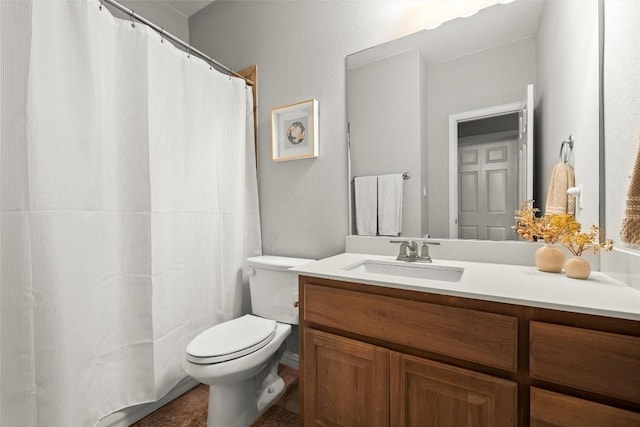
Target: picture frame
{"x": 294, "y": 131}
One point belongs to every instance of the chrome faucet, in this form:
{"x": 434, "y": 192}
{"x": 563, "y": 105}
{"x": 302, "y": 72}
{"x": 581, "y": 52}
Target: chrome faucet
{"x": 424, "y": 251}
{"x": 409, "y": 251}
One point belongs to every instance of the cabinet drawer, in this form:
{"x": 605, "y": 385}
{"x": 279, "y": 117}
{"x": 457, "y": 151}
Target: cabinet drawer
{"x": 555, "y": 409}
{"x": 475, "y": 336}
{"x": 593, "y": 361}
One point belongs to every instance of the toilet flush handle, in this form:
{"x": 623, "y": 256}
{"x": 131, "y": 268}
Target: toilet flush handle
{"x": 251, "y": 271}
{"x": 295, "y": 299}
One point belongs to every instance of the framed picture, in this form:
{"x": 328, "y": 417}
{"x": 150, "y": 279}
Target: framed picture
{"x": 294, "y": 131}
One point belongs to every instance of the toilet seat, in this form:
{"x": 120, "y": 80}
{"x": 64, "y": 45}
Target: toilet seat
{"x": 231, "y": 340}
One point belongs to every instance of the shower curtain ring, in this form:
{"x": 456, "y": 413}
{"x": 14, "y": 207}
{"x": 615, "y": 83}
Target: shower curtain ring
{"x": 132, "y": 16}
{"x": 100, "y": 7}
{"x": 161, "y": 35}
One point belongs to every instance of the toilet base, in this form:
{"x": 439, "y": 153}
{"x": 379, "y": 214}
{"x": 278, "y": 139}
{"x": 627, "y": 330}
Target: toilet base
{"x": 235, "y": 406}
{"x": 231, "y": 405}
{"x": 240, "y": 404}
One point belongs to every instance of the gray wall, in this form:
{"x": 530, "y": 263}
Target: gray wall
{"x": 567, "y": 76}
{"x": 300, "y": 49}
{"x": 391, "y": 140}
{"x": 159, "y": 13}
{"x": 488, "y": 78}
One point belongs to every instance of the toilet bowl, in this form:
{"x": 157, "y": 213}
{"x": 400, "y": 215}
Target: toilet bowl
{"x": 239, "y": 358}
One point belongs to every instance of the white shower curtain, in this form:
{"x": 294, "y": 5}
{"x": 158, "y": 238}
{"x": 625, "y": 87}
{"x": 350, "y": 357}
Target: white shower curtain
{"x": 128, "y": 204}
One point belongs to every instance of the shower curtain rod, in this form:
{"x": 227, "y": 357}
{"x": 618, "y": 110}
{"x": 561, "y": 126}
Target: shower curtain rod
{"x": 163, "y": 33}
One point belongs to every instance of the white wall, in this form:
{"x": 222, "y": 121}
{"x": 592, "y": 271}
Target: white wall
{"x": 622, "y": 127}
{"x": 488, "y": 78}
{"x": 567, "y": 98}
{"x": 391, "y": 140}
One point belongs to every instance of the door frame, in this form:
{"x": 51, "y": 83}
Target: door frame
{"x": 454, "y": 119}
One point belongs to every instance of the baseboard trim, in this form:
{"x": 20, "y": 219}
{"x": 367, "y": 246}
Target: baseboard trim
{"x": 127, "y": 416}
{"x": 290, "y": 359}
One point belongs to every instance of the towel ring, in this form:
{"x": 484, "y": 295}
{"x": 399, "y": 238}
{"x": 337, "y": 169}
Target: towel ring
{"x": 566, "y": 148}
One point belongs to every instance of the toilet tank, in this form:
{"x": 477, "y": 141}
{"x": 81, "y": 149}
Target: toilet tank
{"x": 274, "y": 290}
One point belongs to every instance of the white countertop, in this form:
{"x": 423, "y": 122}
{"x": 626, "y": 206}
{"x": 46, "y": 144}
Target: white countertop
{"x": 513, "y": 284}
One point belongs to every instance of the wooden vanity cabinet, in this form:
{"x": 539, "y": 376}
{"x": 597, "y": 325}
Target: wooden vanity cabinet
{"x": 363, "y": 360}
{"x": 376, "y": 356}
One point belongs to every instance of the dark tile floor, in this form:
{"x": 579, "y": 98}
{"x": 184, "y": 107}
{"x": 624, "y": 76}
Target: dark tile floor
{"x": 190, "y": 409}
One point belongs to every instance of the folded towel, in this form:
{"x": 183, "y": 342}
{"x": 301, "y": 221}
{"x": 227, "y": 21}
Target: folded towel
{"x": 366, "y": 200}
{"x": 630, "y": 232}
{"x": 390, "y": 189}
{"x": 558, "y": 201}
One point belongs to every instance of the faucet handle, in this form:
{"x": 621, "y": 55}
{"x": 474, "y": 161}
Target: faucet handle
{"x": 403, "y": 246}
{"x": 424, "y": 251}
{"x": 398, "y": 241}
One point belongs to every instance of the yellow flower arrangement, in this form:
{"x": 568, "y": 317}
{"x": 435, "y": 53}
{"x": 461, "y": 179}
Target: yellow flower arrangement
{"x": 531, "y": 227}
{"x": 577, "y": 241}
{"x": 558, "y": 228}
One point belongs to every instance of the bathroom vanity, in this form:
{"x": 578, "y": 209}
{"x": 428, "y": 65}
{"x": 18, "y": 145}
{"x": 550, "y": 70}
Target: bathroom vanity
{"x": 488, "y": 349}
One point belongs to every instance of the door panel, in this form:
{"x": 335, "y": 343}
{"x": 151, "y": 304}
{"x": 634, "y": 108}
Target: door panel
{"x": 425, "y": 393}
{"x": 498, "y": 233}
{"x": 346, "y": 382}
{"x": 469, "y": 190}
{"x": 497, "y": 191}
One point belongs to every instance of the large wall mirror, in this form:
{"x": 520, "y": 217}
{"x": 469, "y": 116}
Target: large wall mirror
{"x": 475, "y": 111}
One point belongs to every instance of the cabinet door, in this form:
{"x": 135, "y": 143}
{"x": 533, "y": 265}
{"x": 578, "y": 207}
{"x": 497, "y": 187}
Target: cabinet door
{"x": 426, "y": 393}
{"x": 346, "y": 382}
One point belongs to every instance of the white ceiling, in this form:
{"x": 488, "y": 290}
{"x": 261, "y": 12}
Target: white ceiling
{"x": 490, "y": 27}
{"x": 188, "y": 7}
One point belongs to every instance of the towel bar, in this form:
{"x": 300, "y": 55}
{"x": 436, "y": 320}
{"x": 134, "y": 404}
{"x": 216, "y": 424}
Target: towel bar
{"x": 405, "y": 176}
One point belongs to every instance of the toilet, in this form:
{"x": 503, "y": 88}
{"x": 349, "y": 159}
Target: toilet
{"x": 239, "y": 358}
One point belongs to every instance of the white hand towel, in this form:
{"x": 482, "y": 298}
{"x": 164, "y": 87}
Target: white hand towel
{"x": 558, "y": 201}
{"x": 366, "y": 200}
{"x": 390, "y": 189}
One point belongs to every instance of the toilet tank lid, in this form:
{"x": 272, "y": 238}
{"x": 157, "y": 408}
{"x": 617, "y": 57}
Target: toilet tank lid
{"x": 271, "y": 262}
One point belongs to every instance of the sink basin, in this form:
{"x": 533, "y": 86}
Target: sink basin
{"x": 406, "y": 269}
